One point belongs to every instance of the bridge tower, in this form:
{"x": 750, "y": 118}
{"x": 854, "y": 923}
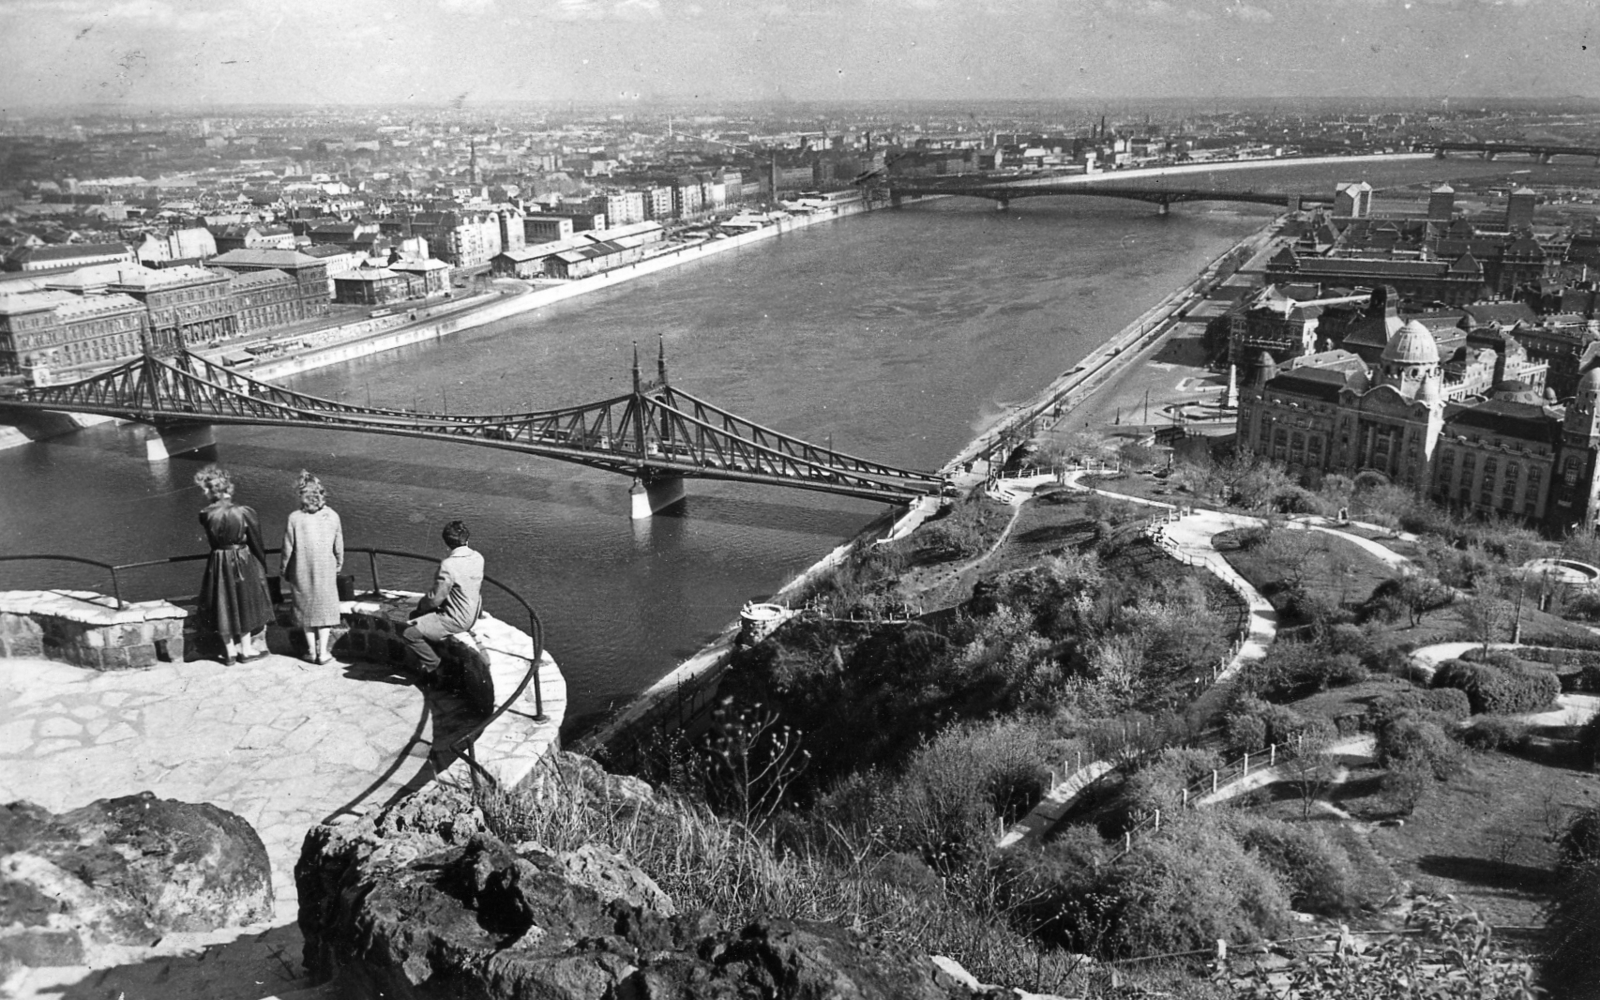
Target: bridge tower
{"x": 165, "y": 439}
{"x": 652, "y": 491}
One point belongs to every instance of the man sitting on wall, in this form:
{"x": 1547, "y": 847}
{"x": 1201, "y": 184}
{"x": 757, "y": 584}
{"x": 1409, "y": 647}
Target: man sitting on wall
{"x": 454, "y": 603}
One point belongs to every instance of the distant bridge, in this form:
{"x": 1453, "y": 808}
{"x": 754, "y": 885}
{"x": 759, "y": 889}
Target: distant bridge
{"x": 657, "y": 434}
{"x": 1002, "y": 193}
{"x": 1540, "y": 151}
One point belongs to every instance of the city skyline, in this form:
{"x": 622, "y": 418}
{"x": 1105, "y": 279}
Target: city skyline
{"x": 166, "y": 53}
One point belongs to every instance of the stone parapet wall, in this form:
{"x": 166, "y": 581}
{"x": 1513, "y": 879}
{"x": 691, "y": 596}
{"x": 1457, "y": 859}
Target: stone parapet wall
{"x": 486, "y": 664}
{"x": 89, "y": 630}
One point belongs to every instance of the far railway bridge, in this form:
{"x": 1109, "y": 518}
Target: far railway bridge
{"x": 1541, "y": 152}
{"x": 1002, "y": 193}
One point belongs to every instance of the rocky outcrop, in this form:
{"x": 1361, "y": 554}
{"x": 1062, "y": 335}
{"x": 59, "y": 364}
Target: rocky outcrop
{"x": 423, "y": 901}
{"x": 123, "y": 871}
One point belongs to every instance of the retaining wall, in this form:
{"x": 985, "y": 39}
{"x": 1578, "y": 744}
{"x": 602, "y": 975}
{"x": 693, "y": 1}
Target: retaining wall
{"x": 89, "y": 630}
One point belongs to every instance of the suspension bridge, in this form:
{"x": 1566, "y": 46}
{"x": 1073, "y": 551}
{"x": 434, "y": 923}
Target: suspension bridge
{"x": 657, "y": 434}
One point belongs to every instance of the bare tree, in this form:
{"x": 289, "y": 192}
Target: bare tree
{"x": 1312, "y": 771}
{"x": 1487, "y": 615}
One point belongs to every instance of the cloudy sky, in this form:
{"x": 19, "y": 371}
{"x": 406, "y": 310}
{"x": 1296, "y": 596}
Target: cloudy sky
{"x": 156, "y": 52}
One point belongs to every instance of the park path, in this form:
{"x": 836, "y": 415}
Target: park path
{"x": 1187, "y": 535}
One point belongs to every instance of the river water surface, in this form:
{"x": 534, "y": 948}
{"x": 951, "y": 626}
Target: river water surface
{"x": 897, "y": 334}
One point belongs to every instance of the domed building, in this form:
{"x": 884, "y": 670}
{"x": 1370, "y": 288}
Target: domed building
{"x": 1509, "y": 449}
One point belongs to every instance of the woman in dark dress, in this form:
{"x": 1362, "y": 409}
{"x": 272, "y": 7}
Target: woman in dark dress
{"x": 233, "y": 593}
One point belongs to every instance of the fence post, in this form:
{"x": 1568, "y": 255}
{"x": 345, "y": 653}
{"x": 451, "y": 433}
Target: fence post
{"x": 372, "y": 564}
{"x": 1246, "y": 765}
{"x": 1158, "y": 819}
{"x": 1186, "y": 798}
{"x": 1213, "y": 782}
{"x": 1272, "y": 755}
{"x": 1127, "y": 841}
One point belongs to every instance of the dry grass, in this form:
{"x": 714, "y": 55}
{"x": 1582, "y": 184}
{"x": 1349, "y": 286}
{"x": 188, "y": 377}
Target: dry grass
{"x": 1484, "y": 835}
{"x": 704, "y": 862}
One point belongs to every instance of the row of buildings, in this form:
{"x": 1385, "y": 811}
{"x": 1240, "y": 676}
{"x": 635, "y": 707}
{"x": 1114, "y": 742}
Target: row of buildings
{"x": 1440, "y": 258}
{"x": 105, "y": 312}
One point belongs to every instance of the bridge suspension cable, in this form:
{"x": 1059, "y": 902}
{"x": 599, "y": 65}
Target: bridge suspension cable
{"x": 654, "y": 432}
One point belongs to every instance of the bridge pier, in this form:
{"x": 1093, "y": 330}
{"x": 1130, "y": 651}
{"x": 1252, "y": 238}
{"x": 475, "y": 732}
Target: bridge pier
{"x": 1546, "y": 157}
{"x": 896, "y": 199}
{"x": 1163, "y": 208}
{"x": 654, "y": 495}
{"x": 1002, "y": 204}
{"x": 167, "y": 441}
{"x": 1488, "y": 154}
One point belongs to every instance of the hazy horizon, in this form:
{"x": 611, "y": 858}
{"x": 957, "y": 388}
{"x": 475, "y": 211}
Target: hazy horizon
{"x": 163, "y": 54}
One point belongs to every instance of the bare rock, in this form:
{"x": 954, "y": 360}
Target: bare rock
{"x": 124, "y": 871}
{"x": 423, "y": 902}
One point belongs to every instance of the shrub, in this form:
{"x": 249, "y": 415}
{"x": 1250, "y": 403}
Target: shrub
{"x": 1347, "y": 639}
{"x": 1252, "y": 724}
{"x": 1186, "y": 888}
{"x": 1442, "y": 705}
{"x": 1160, "y": 784}
{"x": 945, "y": 803}
{"x": 1295, "y": 500}
{"x": 1587, "y": 678}
{"x": 1409, "y": 740}
{"x": 1253, "y": 537}
{"x": 1497, "y": 690}
{"x": 1246, "y": 733}
{"x": 1316, "y": 871}
{"x": 1412, "y": 597}
{"x": 1585, "y": 606}
{"x": 1292, "y": 670}
{"x": 1572, "y": 964}
{"x": 1494, "y": 732}
{"x": 1580, "y": 843}
{"x": 1405, "y": 784}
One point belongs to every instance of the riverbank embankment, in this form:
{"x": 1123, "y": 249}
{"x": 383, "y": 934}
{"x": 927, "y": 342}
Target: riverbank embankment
{"x": 1072, "y": 388}
{"x": 685, "y": 696}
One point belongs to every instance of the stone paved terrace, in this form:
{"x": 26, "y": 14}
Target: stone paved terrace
{"x": 283, "y": 743}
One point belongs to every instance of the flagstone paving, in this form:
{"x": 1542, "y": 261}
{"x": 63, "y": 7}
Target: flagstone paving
{"x": 283, "y": 743}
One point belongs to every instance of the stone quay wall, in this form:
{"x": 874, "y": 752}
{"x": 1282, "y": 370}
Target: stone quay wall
{"x": 89, "y": 630}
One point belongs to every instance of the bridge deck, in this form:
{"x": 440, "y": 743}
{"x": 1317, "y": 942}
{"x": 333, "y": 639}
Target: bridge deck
{"x": 654, "y": 431}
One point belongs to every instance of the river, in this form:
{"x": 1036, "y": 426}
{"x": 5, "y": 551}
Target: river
{"x": 898, "y": 334}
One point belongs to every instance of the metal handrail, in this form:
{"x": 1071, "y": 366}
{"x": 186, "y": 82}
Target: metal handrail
{"x": 461, "y": 744}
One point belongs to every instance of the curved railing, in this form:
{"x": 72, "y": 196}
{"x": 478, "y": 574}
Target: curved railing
{"x": 463, "y": 744}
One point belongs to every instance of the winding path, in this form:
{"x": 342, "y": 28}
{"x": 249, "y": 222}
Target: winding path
{"x": 1188, "y": 536}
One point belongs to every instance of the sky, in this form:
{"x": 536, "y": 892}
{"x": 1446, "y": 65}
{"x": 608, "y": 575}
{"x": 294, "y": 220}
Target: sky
{"x": 174, "y": 52}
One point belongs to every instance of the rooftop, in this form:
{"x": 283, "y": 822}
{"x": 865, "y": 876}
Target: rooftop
{"x": 149, "y": 279}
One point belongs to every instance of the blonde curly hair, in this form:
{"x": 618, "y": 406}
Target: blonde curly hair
{"x": 312, "y": 495}
{"x": 215, "y": 482}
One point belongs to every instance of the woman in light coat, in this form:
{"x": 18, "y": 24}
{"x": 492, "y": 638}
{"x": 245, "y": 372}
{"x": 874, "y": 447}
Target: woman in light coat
{"x": 313, "y": 554}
